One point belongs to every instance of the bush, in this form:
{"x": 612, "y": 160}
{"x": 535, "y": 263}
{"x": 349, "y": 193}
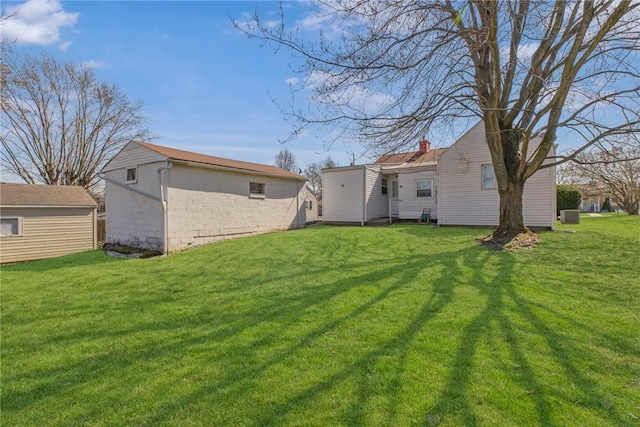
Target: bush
{"x": 606, "y": 206}
{"x": 567, "y": 197}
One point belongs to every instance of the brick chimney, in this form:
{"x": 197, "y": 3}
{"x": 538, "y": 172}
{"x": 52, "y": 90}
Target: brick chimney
{"x": 424, "y": 146}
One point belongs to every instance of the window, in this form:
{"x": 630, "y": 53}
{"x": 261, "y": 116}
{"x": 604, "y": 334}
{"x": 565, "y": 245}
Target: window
{"x": 394, "y": 189}
{"x": 10, "y": 227}
{"x": 424, "y": 188}
{"x": 132, "y": 175}
{"x": 256, "y": 188}
{"x": 309, "y": 205}
{"x": 488, "y": 178}
{"x": 385, "y": 187}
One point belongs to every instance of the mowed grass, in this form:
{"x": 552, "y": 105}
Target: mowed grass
{"x": 329, "y": 326}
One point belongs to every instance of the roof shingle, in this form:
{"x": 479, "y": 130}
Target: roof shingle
{"x": 411, "y": 157}
{"x": 44, "y": 195}
{"x": 188, "y": 156}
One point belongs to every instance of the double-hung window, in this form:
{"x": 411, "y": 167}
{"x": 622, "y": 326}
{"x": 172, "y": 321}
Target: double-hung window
{"x": 424, "y": 188}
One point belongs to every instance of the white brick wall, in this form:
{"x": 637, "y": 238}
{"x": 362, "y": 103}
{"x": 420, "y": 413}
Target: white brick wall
{"x": 207, "y": 205}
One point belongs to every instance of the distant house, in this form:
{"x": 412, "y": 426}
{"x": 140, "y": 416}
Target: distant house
{"x": 593, "y": 196}
{"x": 45, "y": 221}
{"x": 167, "y": 199}
{"x": 311, "y": 205}
{"x": 457, "y": 184}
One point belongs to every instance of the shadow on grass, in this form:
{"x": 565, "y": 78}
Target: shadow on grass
{"x": 221, "y": 332}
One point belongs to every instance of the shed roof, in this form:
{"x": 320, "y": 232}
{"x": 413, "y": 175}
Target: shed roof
{"x": 44, "y": 195}
{"x": 430, "y": 156}
{"x": 188, "y": 156}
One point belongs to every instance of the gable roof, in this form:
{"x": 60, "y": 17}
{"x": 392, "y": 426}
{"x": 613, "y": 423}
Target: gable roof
{"x": 188, "y": 156}
{"x": 430, "y": 156}
{"x": 44, "y": 195}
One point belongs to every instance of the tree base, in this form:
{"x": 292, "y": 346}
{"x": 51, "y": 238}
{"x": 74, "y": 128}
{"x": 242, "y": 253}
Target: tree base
{"x": 510, "y": 242}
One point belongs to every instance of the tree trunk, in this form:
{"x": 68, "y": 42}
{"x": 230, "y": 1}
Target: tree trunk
{"x": 511, "y": 219}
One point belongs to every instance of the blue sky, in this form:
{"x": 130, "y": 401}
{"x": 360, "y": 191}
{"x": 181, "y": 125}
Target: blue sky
{"x": 205, "y": 86}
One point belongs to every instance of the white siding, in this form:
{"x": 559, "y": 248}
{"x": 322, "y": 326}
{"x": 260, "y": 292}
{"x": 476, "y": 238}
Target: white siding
{"x": 206, "y": 205}
{"x": 377, "y": 203}
{"x": 342, "y": 194}
{"x": 131, "y": 155}
{"x": 462, "y": 201}
{"x": 131, "y": 218}
{"x": 311, "y": 214}
{"x": 410, "y": 205}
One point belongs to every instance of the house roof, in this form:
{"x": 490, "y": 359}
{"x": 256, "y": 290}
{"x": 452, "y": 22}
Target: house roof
{"x": 430, "y": 156}
{"x": 188, "y": 156}
{"x": 44, "y": 195}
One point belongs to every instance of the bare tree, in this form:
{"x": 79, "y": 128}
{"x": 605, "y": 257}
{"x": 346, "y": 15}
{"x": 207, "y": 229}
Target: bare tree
{"x": 60, "y": 125}
{"x": 286, "y": 160}
{"x": 313, "y": 172}
{"x": 389, "y": 72}
{"x": 614, "y": 166}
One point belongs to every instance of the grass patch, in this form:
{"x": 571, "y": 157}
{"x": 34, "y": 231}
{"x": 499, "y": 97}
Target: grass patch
{"x": 398, "y": 325}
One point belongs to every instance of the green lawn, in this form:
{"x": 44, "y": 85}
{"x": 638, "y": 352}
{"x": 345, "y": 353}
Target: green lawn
{"x": 327, "y": 326}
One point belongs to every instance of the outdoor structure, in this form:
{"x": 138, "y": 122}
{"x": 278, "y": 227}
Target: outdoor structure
{"x": 311, "y": 205}
{"x": 168, "y": 199}
{"x": 45, "y": 221}
{"x": 593, "y": 196}
{"x": 457, "y": 184}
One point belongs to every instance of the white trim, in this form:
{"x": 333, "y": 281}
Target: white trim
{"x": 20, "y": 222}
{"x": 46, "y": 206}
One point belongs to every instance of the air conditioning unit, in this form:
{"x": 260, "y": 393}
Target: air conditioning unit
{"x": 570, "y": 216}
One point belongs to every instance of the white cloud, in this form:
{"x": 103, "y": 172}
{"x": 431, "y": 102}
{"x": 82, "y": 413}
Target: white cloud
{"x": 292, "y": 80}
{"x": 37, "y": 22}
{"x": 64, "y": 45}
{"x": 92, "y": 63}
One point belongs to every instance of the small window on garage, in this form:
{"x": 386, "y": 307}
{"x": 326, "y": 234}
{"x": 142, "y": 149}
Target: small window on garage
{"x": 257, "y": 188}
{"x": 10, "y": 226}
{"x": 131, "y": 175}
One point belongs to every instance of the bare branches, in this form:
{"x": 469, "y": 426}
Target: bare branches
{"x": 60, "y": 124}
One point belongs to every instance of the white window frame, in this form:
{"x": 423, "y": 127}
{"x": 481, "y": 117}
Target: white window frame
{"x": 19, "y": 219}
{"x": 430, "y": 181}
{"x": 309, "y": 205}
{"x": 484, "y": 185}
{"x": 260, "y": 195}
{"x": 126, "y": 175}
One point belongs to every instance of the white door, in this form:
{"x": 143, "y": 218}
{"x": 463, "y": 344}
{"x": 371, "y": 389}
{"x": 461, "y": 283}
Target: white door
{"x": 393, "y": 205}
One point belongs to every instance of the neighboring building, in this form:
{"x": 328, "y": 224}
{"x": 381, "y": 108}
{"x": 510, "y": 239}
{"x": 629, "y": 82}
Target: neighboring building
{"x": 45, "y": 221}
{"x": 311, "y": 205}
{"x": 593, "y": 196}
{"x": 167, "y": 199}
{"x": 457, "y": 184}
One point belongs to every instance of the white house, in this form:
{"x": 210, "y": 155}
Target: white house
{"x": 457, "y": 184}
{"x": 168, "y": 199}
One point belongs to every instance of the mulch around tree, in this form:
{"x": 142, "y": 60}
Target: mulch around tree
{"x": 510, "y": 242}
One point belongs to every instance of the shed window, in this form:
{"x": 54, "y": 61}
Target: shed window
{"x": 488, "y": 178}
{"x": 256, "y": 188}
{"x": 385, "y": 188}
{"x": 424, "y": 188}
{"x": 309, "y": 205}
{"x": 10, "y": 227}
{"x": 132, "y": 175}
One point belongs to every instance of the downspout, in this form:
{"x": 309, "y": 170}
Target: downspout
{"x": 297, "y": 206}
{"x": 364, "y": 196}
{"x": 163, "y": 199}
